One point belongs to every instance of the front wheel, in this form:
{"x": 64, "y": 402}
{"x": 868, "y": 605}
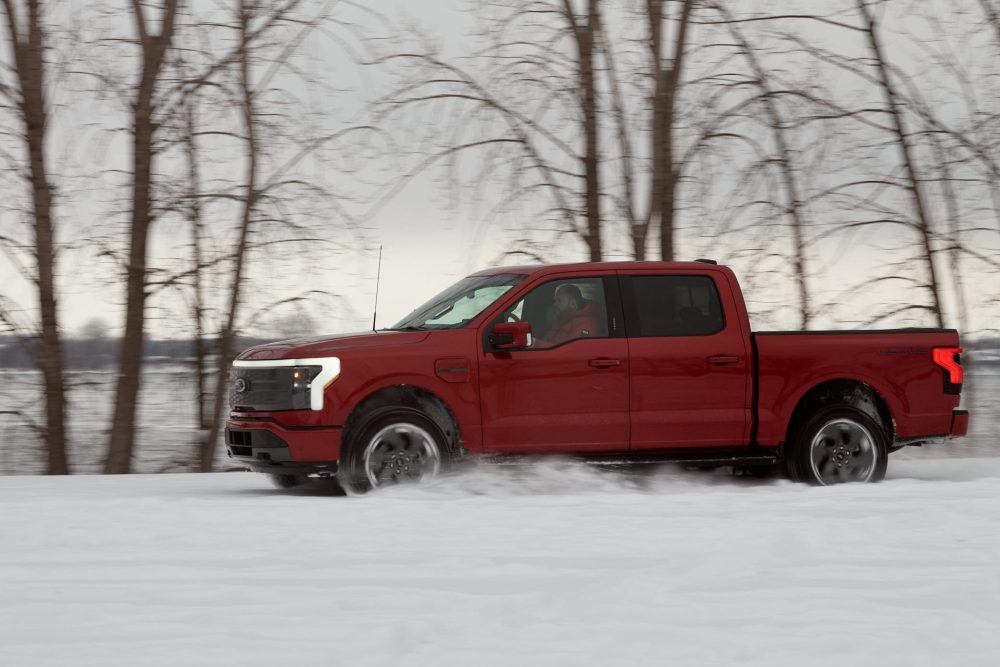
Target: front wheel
{"x": 838, "y": 444}
{"x": 397, "y": 447}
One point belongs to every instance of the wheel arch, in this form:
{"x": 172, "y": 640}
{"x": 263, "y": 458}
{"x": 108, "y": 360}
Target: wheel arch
{"x": 411, "y": 397}
{"x": 845, "y": 390}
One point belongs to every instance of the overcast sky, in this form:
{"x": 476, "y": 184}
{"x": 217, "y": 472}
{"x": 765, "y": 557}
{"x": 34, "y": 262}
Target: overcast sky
{"x": 427, "y": 242}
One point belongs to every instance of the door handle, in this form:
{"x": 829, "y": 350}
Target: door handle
{"x": 723, "y": 360}
{"x": 605, "y": 363}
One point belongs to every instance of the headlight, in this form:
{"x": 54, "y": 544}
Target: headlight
{"x": 301, "y": 380}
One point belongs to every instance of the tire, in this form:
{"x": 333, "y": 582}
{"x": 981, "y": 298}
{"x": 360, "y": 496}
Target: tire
{"x": 839, "y": 443}
{"x": 788, "y": 463}
{"x": 393, "y": 445}
{"x": 287, "y": 481}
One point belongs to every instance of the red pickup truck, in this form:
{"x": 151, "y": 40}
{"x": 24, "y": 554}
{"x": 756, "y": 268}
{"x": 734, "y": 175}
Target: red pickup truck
{"x": 625, "y": 361}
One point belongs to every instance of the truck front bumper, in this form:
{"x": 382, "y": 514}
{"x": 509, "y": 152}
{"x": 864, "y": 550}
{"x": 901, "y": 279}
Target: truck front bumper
{"x": 264, "y": 445}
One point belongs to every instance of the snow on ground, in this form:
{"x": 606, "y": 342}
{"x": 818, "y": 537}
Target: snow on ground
{"x": 552, "y": 564}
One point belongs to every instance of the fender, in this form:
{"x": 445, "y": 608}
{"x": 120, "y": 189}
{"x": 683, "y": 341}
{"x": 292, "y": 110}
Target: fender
{"x": 773, "y": 431}
{"x": 461, "y": 399}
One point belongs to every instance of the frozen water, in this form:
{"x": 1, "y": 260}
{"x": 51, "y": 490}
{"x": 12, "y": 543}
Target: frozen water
{"x": 167, "y": 435}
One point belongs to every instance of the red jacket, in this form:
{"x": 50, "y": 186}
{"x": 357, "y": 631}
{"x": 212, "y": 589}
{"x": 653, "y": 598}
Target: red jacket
{"x": 572, "y": 324}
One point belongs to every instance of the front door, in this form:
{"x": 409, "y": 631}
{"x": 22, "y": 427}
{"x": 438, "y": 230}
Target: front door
{"x": 690, "y": 366}
{"x": 568, "y": 391}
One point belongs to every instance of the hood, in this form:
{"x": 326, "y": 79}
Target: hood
{"x": 328, "y": 346}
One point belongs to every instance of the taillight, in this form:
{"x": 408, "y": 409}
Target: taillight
{"x": 948, "y": 359}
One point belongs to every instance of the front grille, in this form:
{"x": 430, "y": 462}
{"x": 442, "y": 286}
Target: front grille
{"x": 262, "y": 389}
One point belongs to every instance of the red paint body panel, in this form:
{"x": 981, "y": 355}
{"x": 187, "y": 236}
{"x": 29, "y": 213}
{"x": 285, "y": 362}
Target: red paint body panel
{"x": 544, "y": 401}
{"x": 618, "y": 393}
{"x": 693, "y": 391}
{"x": 960, "y": 423}
{"x": 568, "y": 398}
{"x": 365, "y": 371}
{"x": 898, "y": 365}
{"x": 306, "y": 445}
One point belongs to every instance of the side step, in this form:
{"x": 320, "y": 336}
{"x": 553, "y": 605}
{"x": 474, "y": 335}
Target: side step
{"x": 720, "y": 457}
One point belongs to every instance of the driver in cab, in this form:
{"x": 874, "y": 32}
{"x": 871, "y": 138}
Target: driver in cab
{"x": 574, "y": 317}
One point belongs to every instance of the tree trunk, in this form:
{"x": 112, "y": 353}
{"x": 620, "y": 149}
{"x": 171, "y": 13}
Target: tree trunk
{"x": 29, "y": 64}
{"x": 638, "y": 227}
{"x": 198, "y": 306}
{"x": 658, "y": 149}
{"x": 584, "y": 36}
{"x": 667, "y": 82}
{"x": 906, "y": 154}
{"x": 992, "y": 14}
{"x": 591, "y": 165}
{"x": 228, "y": 334}
{"x": 954, "y": 253}
{"x": 153, "y": 48}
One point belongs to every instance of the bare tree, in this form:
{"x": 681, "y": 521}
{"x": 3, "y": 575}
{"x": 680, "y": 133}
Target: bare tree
{"x": 527, "y": 108}
{"x": 194, "y": 211}
{"x": 794, "y": 201}
{"x": 973, "y": 140}
{"x": 644, "y": 107}
{"x": 904, "y": 141}
{"x": 992, "y": 14}
{"x": 153, "y": 48}
{"x": 267, "y": 185}
{"x": 248, "y": 207}
{"x": 584, "y": 30}
{"x": 27, "y": 36}
{"x": 892, "y": 123}
{"x": 947, "y": 184}
{"x": 667, "y": 77}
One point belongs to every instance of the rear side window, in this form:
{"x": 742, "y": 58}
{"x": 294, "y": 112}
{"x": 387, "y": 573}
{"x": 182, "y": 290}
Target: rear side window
{"x": 676, "y": 306}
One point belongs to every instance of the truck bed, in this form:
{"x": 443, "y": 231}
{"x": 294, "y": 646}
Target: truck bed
{"x": 896, "y": 363}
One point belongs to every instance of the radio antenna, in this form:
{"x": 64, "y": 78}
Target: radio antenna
{"x": 378, "y": 276}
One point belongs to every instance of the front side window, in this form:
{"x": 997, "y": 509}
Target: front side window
{"x": 459, "y": 304}
{"x": 562, "y": 310}
{"x": 676, "y": 306}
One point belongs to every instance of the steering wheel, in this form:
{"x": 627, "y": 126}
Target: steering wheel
{"x": 511, "y": 317}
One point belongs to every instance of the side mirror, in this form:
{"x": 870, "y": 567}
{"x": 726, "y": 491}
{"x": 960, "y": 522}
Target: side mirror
{"x": 510, "y": 335}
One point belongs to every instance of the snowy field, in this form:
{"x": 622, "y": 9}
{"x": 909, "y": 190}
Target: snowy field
{"x": 167, "y": 435}
{"x": 553, "y": 564}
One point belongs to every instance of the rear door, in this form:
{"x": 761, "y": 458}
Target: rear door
{"x": 689, "y": 361}
{"x": 564, "y": 394}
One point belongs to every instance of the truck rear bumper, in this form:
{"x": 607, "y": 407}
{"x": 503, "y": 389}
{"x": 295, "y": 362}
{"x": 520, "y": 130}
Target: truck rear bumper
{"x": 264, "y": 445}
{"x": 959, "y": 423}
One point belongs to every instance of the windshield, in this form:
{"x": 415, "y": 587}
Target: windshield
{"x": 459, "y": 304}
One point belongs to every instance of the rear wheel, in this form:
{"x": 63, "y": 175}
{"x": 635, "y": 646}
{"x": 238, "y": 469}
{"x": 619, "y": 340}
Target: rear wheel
{"x": 839, "y": 443}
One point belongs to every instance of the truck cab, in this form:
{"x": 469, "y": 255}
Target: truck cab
{"x": 627, "y": 361}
